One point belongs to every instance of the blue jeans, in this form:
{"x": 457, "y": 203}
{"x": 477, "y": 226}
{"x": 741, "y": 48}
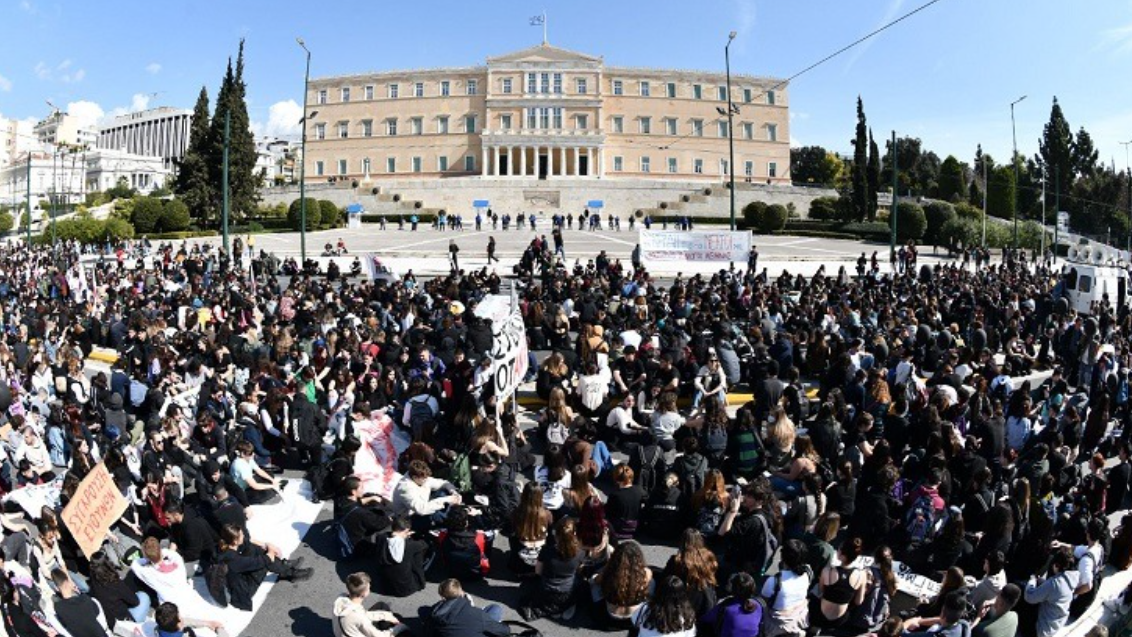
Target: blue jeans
{"x": 601, "y": 457}
{"x": 141, "y": 612}
{"x": 494, "y": 612}
{"x": 698, "y": 397}
{"x": 57, "y": 446}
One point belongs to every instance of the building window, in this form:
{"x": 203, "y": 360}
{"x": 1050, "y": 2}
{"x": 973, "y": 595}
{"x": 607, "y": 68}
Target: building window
{"x": 319, "y": 168}
{"x": 369, "y": 92}
{"x": 367, "y": 128}
{"x": 470, "y": 124}
{"x": 772, "y": 132}
{"x": 418, "y": 89}
{"x": 749, "y": 169}
{"x": 365, "y": 166}
{"x": 343, "y": 130}
{"x": 644, "y": 88}
{"x": 505, "y": 122}
{"x": 645, "y": 165}
{"x": 341, "y": 166}
{"x": 698, "y": 127}
{"x": 445, "y": 88}
{"x": 723, "y": 129}
{"x": 506, "y": 85}
{"x": 442, "y": 163}
{"x": 416, "y": 126}
{"x": 772, "y": 169}
{"x": 320, "y": 131}
{"x": 645, "y": 124}
{"x": 618, "y": 124}
{"x": 672, "y": 164}
{"x": 442, "y": 125}
{"x": 558, "y": 117}
{"x": 672, "y": 89}
{"x": 544, "y": 83}
{"x": 469, "y": 164}
{"x": 346, "y": 94}
{"x": 581, "y": 122}
{"x": 617, "y": 88}
{"x": 724, "y": 167}
{"x": 618, "y": 164}
{"x": 391, "y": 127}
{"x": 532, "y": 117}
{"x": 722, "y": 92}
{"x": 748, "y": 130}
{"x": 558, "y": 83}
{"x": 393, "y": 91}
{"x": 697, "y": 92}
{"x": 747, "y": 95}
{"x": 580, "y": 85}
{"x": 473, "y": 87}
{"x": 391, "y": 165}
{"x": 670, "y": 125}
{"x": 532, "y": 83}
{"x": 770, "y": 97}
{"x": 416, "y": 164}
{"x": 321, "y": 96}
{"x": 698, "y": 166}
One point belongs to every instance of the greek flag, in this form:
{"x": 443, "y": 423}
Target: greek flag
{"x": 538, "y": 20}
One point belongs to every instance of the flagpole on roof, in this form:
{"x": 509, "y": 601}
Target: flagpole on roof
{"x": 544, "y": 40}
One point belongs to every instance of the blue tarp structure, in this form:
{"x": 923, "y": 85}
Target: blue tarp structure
{"x": 596, "y": 203}
{"x": 355, "y": 208}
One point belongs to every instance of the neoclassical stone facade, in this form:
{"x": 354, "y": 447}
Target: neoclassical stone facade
{"x": 546, "y": 112}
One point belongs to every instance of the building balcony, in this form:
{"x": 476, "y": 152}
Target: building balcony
{"x": 547, "y": 136}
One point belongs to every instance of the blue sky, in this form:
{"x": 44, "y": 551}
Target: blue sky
{"x": 946, "y": 75}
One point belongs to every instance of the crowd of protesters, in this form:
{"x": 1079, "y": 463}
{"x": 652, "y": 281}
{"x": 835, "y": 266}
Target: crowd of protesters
{"x": 892, "y": 422}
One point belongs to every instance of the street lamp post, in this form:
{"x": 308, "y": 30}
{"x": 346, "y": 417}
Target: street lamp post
{"x": 1014, "y": 160}
{"x": 1128, "y": 178}
{"x": 303, "y": 162}
{"x": 730, "y": 126}
{"x": 224, "y": 210}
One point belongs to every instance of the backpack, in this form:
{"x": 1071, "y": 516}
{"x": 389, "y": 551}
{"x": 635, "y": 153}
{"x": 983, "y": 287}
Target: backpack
{"x": 345, "y": 544}
{"x": 216, "y": 577}
{"x": 557, "y": 433}
{"x": 708, "y": 519}
{"x": 921, "y": 520}
{"x": 421, "y": 419}
{"x": 691, "y": 475}
{"x": 647, "y": 459}
{"x": 873, "y": 611}
{"x": 715, "y": 442}
{"x": 770, "y": 544}
{"x": 460, "y": 473}
{"x": 318, "y": 476}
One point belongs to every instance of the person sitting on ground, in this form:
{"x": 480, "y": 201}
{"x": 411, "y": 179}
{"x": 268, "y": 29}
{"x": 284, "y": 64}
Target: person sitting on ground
{"x": 191, "y": 536}
{"x": 171, "y": 624}
{"x": 558, "y": 567}
{"x": 120, "y": 600}
{"x": 423, "y": 496}
{"x": 463, "y": 548}
{"x": 258, "y": 485}
{"x": 400, "y": 560}
{"x": 351, "y": 619}
{"x": 248, "y": 565}
{"x": 361, "y": 517}
{"x": 456, "y": 615}
{"x": 741, "y": 611}
{"x": 623, "y": 509}
{"x": 668, "y": 613}
{"x": 76, "y": 611}
{"x": 950, "y": 622}
{"x": 624, "y": 584}
{"x": 997, "y": 617}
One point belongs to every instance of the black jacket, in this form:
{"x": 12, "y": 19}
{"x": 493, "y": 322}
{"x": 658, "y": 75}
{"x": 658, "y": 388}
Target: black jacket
{"x": 310, "y": 421}
{"x": 245, "y": 573}
{"x": 458, "y": 618}
{"x": 195, "y": 539}
{"x": 405, "y": 576}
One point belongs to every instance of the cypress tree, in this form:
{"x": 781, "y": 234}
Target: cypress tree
{"x": 193, "y": 183}
{"x": 860, "y": 165}
{"x": 242, "y": 182}
{"x": 873, "y": 175}
{"x": 1055, "y": 148}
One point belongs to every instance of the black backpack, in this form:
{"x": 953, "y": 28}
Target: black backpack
{"x": 318, "y": 476}
{"x": 647, "y": 460}
{"x": 216, "y": 577}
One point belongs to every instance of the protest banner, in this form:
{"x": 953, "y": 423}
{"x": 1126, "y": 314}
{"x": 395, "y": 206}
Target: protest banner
{"x": 695, "y": 246}
{"x": 96, "y": 505}
{"x": 508, "y": 343}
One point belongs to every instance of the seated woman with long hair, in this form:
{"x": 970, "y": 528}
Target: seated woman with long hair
{"x": 669, "y": 613}
{"x": 622, "y": 586}
{"x": 787, "y": 609}
{"x": 739, "y": 614}
{"x": 530, "y": 526}
{"x": 696, "y": 566}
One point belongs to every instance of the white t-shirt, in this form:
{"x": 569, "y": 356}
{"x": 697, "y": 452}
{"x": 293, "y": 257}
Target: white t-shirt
{"x": 792, "y": 592}
{"x": 243, "y": 471}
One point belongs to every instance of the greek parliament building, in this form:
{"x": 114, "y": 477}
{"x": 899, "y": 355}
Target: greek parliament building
{"x": 545, "y": 112}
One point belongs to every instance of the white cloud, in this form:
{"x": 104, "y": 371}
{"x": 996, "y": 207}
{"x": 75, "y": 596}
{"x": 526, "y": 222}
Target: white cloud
{"x": 153, "y": 68}
{"x": 746, "y": 16}
{"x": 88, "y": 113}
{"x": 282, "y": 120}
{"x": 27, "y": 6}
{"x": 77, "y": 76}
{"x": 60, "y": 72}
{"x": 42, "y": 71}
{"x": 5, "y": 84}
{"x": 139, "y": 102}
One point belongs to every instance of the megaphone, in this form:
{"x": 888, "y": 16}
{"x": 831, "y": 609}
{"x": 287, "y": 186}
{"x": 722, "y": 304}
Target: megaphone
{"x": 1084, "y": 254}
{"x": 1073, "y": 253}
{"x": 1099, "y": 256}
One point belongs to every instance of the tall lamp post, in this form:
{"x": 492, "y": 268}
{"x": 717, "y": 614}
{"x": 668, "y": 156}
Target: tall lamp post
{"x": 1014, "y": 160}
{"x": 730, "y": 125}
{"x": 303, "y": 162}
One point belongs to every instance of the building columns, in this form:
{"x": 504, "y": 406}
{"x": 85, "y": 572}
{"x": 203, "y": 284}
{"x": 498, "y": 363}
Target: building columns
{"x": 577, "y": 161}
{"x": 600, "y": 163}
{"x": 483, "y": 164}
{"x": 561, "y": 161}
{"x": 591, "y": 167}
{"x": 496, "y": 169}
{"x": 522, "y": 161}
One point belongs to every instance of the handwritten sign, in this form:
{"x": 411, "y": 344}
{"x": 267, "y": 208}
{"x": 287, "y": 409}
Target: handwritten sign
{"x": 508, "y": 344}
{"x": 907, "y": 580}
{"x": 96, "y": 505}
{"x": 695, "y": 246}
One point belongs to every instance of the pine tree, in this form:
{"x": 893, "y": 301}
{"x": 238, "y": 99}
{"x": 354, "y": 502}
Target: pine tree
{"x": 873, "y": 176}
{"x": 193, "y": 183}
{"x": 243, "y": 185}
{"x": 860, "y": 165}
{"x": 1055, "y": 148}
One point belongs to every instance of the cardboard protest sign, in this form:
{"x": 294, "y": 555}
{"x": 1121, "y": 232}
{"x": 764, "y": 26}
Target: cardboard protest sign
{"x": 96, "y": 505}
